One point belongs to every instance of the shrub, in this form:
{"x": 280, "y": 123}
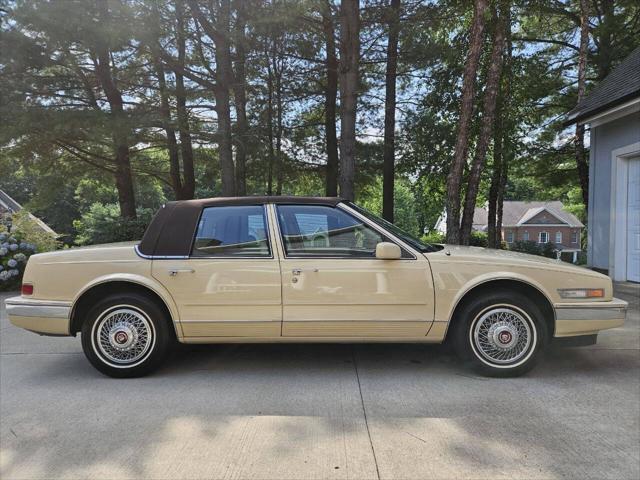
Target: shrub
{"x": 103, "y": 224}
{"x": 16, "y": 246}
{"x": 548, "y": 250}
{"x": 526, "y": 246}
{"x": 434, "y": 237}
{"x": 22, "y": 224}
{"x": 478, "y": 239}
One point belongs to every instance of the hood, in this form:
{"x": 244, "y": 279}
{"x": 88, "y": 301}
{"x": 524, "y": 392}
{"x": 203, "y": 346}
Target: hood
{"x": 507, "y": 257}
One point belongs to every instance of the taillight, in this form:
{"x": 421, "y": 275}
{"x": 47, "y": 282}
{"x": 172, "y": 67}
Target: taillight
{"x": 27, "y": 289}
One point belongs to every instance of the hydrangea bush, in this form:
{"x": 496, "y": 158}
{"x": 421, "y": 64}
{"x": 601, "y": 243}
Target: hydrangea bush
{"x": 14, "y": 254}
{"x": 20, "y": 238}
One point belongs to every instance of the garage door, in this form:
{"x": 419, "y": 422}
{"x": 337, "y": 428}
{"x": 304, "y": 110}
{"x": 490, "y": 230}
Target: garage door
{"x": 633, "y": 221}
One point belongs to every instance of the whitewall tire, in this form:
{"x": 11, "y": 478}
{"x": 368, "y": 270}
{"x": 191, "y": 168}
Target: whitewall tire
{"x": 502, "y": 334}
{"x": 126, "y": 335}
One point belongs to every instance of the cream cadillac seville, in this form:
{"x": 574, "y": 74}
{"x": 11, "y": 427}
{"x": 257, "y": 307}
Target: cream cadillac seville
{"x": 293, "y": 269}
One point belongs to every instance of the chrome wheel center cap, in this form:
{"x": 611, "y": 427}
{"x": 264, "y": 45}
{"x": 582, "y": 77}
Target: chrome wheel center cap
{"x": 122, "y": 337}
{"x": 503, "y": 336}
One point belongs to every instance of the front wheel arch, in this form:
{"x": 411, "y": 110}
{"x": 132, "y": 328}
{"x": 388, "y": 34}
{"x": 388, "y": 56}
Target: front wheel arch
{"x": 504, "y": 285}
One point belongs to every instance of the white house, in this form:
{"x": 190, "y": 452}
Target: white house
{"x": 612, "y": 112}
{"x": 9, "y": 205}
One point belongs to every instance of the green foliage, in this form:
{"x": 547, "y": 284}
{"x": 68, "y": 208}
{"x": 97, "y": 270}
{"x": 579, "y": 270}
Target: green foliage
{"x": 20, "y": 237}
{"x": 24, "y": 227}
{"x": 103, "y": 224}
{"x": 370, "y": 197}
{"x": 478, "y": 239}
{"x": 57, "y": 146}
{"x": 434, "y": 237}
{"x": 527, "y": 246}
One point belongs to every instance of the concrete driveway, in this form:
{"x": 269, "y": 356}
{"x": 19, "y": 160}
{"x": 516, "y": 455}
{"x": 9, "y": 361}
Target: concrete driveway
{"x": 320, "y": 411}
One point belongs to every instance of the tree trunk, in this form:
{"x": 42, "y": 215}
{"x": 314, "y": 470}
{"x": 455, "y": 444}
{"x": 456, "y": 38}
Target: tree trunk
{"x": 454, "y": 179}
{"x": 240, "y": 92}
{"x": 278, "y": 90}
{"x": 330, "y": 98}
{"x": 279, "y": 129}
{"x": 349, "y": 65}
{"x": 496, "y": 177}
{"x": 500, "y": 198}
{"x": 388, "y": 169}
{"x": 186, "y": 148}
{"x": 172, "y": 143}
{"x": 606, "y": 31}
{"x": 119, "y": 127}
{"x": 272, "y": 154}
{"x": 487, "y": 123}
{"x": 505, "y": 130}
{"x": 224, "y": 82}
{"x": 581, "y": 155}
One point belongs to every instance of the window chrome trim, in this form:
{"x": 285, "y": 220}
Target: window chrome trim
{"x": 353, "y": 213}
{"x": 158, "y": 257}
{"x": 379, "y": 229}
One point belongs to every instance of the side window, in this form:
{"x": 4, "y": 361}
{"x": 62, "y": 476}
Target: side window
{"x": 322, "y": 231}
{"x": 239, "y": 231}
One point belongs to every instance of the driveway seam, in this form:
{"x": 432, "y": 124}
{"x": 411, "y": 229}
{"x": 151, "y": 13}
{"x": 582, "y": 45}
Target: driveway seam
{"x": 364, "y": 411}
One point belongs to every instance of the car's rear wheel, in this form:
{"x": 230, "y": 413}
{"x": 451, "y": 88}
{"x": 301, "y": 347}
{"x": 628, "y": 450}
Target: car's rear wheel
{"x": 501, "y": 334}
{"x": 126, "y": 335}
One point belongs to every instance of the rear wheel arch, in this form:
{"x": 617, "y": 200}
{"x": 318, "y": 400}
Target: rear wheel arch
{"x": 507, "y": 285}
{"x": 89, "y": 297}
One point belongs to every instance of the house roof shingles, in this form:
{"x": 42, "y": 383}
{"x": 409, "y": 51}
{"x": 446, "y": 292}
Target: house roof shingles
{"x": 518, "y": 213}
{"x": 620, "y": 86}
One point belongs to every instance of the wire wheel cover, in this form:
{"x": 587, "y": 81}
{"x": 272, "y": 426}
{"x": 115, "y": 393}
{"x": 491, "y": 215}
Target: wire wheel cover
{"x": 502, "y": 335}
{"x": 123, "y": 335}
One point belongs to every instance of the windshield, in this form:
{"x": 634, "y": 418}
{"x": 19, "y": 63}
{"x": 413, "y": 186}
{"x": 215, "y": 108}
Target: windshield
{"x": 397, "y": 231}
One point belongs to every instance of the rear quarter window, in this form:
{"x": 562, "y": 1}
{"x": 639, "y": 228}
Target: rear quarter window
{"x": 233, "y": 231}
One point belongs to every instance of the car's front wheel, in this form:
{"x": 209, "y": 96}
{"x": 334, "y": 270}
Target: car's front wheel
{"x": 125, "y": 335}
{"x": 500, "y": 334}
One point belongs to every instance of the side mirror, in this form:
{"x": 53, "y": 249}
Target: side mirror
{"x": 388, "y": 251}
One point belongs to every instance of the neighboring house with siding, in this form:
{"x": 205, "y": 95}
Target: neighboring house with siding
{"x": 539, "y": 222}
{"x": 612, "y": 112}
{"x": 9, "y": 205}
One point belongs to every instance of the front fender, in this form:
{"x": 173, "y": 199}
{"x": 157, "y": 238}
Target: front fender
{"x": 493, "y": 277}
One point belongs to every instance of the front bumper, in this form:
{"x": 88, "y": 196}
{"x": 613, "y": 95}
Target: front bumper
{"x": 574, "y": 319}
{"x": 46, "y": 317}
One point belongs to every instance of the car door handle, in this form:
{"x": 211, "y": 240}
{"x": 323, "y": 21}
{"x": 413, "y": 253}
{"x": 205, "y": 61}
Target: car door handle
{"x": 298, "y": 271}
{"x": 174, "y": 271}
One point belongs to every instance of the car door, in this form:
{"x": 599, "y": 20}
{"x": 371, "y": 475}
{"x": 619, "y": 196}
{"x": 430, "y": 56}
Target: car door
{"x": 230, "y": 284}
{"x": 332, "y": 284}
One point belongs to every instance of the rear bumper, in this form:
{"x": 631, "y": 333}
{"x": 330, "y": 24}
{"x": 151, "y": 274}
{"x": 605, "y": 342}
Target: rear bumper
{"x": 574, "y": 319}
{"x": 46, "y": 317}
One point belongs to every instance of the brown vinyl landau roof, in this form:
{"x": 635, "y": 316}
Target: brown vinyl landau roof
{"x": 172, "y": 229}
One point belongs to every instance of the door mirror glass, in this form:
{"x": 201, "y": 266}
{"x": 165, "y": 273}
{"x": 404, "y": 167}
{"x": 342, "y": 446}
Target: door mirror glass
{"x": 388, "y": 251}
